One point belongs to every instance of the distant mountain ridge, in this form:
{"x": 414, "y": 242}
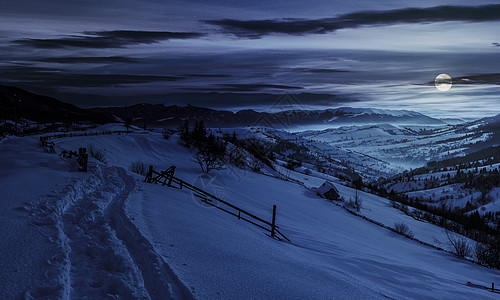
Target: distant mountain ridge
{"x": 16, "y": 103}
{"x": 168, "y": 116}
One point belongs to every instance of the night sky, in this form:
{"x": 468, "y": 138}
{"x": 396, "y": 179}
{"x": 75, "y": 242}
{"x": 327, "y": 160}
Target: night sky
{"x": 381, "y": 54}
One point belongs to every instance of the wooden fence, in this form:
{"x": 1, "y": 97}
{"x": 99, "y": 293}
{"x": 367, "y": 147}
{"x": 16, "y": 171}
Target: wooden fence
{"x": 77, "y": 134}
{"x": 82, "y": 157}
{"x": 49, "y": 146}
{"x": 167, "y": 178}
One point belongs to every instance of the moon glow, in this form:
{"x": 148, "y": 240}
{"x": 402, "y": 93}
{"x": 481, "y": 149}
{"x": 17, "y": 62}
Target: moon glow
{"x": 443, "y": 82}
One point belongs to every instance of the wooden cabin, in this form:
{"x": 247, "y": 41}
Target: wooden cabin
{"x": 328, "y": 191}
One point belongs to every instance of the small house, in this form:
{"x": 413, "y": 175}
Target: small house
{"x": 328, "y": 191}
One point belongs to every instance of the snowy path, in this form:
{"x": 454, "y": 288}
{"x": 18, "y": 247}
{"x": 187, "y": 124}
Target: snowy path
{"x": 100, "y": 264}
{"x": 22, "y": 248}
{"x": 159, "y": 279}
{"x": 98, "y": 252}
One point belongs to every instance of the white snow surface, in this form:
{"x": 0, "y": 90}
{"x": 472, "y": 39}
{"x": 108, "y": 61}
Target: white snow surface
{"x": 107, "y": 234}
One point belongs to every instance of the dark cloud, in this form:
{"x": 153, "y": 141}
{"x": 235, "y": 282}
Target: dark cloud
{"x": 26, "y": 69}
{"x": 259, "y": 28}
{"x": 57, "y": 78}
{"x": 319, "y": 70}
{"x": 496, "y": 44}
{"x": 208, "y": 75}
{"x": 106, "y": 39}
{"x": 91, "y": 60}
{"x": 258, "y": 87}
{"x": 493, "y": 78}
{"x": 236, "y": 87}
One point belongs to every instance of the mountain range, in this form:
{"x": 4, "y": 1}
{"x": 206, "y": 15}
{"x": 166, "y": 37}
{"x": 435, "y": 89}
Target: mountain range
{"x": 17, "y": 103}
{"x": 169, "y": 116}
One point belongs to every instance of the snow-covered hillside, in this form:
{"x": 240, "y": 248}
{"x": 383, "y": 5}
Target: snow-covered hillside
{"x": 106, "y": 233}
{"x": 361, "y": 116}
{"x": 407, "y": 146}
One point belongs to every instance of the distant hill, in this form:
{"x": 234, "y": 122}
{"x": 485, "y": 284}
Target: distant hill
{"x": 490, "y": 125}
{"x": 168, "y": 116}
{"x": 490, "y": 154}
{"x": 17, "y": 103}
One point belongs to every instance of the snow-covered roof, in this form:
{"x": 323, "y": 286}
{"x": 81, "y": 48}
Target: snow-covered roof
{"x": 326, "y": 186}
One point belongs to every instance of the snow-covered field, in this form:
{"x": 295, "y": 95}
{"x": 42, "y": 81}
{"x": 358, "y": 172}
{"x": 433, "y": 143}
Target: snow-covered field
{"x": 409, "y": 146}
{"x": 107, "y": 234}
{"x": 435, "y": 189}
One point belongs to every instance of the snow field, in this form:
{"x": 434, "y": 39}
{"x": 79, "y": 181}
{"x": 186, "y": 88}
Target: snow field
{"x": 333, "y": 254}
{"x": 114, "y": 236}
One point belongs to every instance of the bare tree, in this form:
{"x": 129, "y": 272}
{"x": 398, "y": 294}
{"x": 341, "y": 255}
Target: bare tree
{"x": 461, "y": 247}
{"x": 208, "y": 161}
{"x": 210, "y": 154}
{"x": 355, "y": 203}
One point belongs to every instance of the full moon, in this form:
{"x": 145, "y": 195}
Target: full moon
{"x": 443, "y": 82}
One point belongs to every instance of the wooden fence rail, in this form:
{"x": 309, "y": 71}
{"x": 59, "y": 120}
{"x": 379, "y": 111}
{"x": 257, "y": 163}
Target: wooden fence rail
{"x": 82, "y": 156}
{"x": 167, "y": 178}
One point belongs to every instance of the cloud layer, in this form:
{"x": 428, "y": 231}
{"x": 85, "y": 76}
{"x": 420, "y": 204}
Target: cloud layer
{"x": 56, "y": 78}
{"x": 259, "y": 28}
{"x": 106, "y": 39}
{"x": 91, "y": 60}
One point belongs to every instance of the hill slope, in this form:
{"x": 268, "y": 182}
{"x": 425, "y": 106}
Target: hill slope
{"x": 332, "y": 254}
{"x": 17, "y": 103}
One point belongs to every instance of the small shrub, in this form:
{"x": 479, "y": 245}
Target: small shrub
{"x": 417, "y": 214}
{"x": 488, "y": 254}
{"x": 167, "y": 134}
{"x": 482, "y": 254}
{"x": 355, "y": 203}
{"x": 461, "y": 247}
{"x": 403, "y": 229}
{"x": 236, "y": 157}
{"x": 293, "y": 164}
{"x": 256, "y": 165}
{"x": 139, "y": 168}
{"x": 96, "y": 153}
{"x": 395, "y": 204}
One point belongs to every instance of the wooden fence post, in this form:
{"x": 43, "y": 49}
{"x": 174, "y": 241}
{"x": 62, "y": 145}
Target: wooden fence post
{"x": 149, "y": 175}
{"x": 273, "y": 224}
{"x": 493, "y": 287}
{"x": 83, "y": 158}
{"x": 171, "y": 176}
{"x": 85, "y": 161}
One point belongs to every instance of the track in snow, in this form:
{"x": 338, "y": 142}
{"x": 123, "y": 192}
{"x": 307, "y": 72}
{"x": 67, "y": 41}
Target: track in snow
{"x": 99, "y": 251}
